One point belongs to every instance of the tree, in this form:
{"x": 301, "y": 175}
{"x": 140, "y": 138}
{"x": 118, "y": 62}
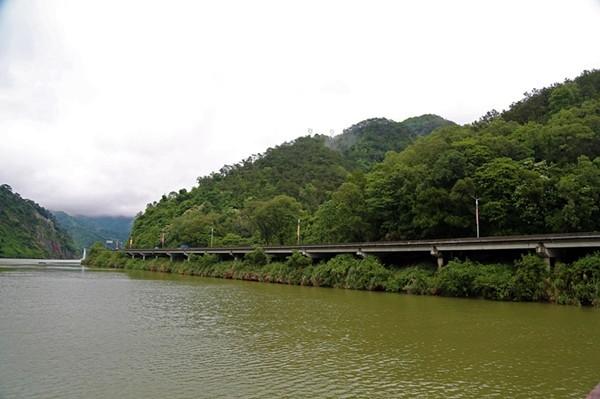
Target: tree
{"x": 563, "y": 96}
{"x": 276, "y": 219}
{"x": 192, "y": 228}
{"x": 496, "y": 183}
{"x": 579, "y": 193}
{"x": 343, "y": 218}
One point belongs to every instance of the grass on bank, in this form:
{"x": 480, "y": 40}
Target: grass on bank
{"x": 528, "y": 279}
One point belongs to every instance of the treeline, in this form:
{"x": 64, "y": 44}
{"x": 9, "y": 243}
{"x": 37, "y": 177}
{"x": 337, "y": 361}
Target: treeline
{"x": 528, "y": 279}
{"x": 535, "y": 168}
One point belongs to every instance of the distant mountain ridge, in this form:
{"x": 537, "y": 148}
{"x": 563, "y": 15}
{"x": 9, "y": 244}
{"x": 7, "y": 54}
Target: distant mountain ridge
{"x": 28, "y": 230}
{"x": 87, "y": 230}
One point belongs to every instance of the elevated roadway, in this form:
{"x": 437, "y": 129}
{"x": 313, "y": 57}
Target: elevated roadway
{"x": 548, "y": 246}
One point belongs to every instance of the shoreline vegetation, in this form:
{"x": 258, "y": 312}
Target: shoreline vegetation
{"x": 527, "y": 279}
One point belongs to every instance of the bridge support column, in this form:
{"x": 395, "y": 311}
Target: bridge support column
{"x": 549, "y": 255}
{"x": 309, "y": 255}
{"x": 170, "y": 257}
{"x": 132, "y": 256}
{"x": 440, "y": 261}
{"x": 439, "y": 257}
{"x": 360, "y": 254}
{"x": 233, "y": 256}
{"x": 187, "y": 256}
{"x": 143, "y": 256}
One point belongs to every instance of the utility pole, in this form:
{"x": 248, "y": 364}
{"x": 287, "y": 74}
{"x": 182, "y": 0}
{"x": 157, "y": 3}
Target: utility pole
{"x": 298, "y": 233}
{"x": 212, "y": 236}
{"x": 477, "y": 214}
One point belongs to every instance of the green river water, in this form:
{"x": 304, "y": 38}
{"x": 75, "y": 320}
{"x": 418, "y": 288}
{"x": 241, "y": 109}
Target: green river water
{"x": 67, "y": 333}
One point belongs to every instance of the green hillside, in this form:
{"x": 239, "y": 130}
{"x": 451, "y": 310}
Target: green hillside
{"x": 538, "y": 105}
{"x": 366, "y": 143}
{"x": 535, "y": 168}
{"x": 29, "y": 231}
{"x": 261, "y": 198}
{"x": 87, "y": 230}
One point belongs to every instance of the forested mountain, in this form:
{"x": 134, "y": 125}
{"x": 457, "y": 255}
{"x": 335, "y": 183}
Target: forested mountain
{"x": 29, "y": 231}
{"x": 262, "y": 197}
{"x": 367, "y": 142}
{"x": 535, "y": 168}
{"x": 539, "y": 105}
{"x": 86, "y": 230}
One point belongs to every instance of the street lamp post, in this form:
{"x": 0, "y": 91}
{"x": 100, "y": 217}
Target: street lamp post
{"x": 477, "y": 215}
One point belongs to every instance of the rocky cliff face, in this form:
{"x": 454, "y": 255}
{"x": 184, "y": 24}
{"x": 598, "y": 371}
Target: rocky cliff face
{"x": 27, "y": 230}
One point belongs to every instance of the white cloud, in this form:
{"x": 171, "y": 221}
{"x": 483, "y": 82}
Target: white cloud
{"x": 106, "y": 105}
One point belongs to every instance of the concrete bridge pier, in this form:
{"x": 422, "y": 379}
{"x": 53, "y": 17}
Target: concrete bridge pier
{"x": 310, "y": 255}
{"x": 439, "y": 257}
{"x": 234, "y": 256}
{"x": 549, "y": 255}
{"x": 440, "y": 261}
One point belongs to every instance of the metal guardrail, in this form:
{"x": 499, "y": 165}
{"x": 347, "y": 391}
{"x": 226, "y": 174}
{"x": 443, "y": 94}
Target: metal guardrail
{"x": 530, "y": 242}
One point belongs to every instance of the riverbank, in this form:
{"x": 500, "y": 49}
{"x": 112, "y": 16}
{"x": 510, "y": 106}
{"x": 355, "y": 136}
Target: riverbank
{"x": 527, "y": 279}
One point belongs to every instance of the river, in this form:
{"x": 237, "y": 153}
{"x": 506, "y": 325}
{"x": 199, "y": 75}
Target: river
{"x": 68, "y": 333}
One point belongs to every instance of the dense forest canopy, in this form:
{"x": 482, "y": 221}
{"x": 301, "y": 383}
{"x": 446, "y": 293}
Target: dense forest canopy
{"x": 28, "y": 230}
{"x": 367, "y": 142}
{"x": 534, "y": 167}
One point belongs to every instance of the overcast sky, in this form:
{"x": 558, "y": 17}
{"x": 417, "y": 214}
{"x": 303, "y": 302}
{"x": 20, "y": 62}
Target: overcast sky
{"x": 106, "y": 105}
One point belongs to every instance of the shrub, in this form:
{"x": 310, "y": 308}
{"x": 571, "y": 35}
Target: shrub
{"x": 101, "y": 257}
{"x": 367, "y": 274}
{"x": 307, "y": 275}
{"x": 275, "y": 273}
{"x": 530, "y": 279}
{"x": 456, "y": 279}
{"x": 494, "y": 282}
{"x": 95, "y": 250}
{"x": 411, "y": 280}
{"x": 257, "y": 257}
{"x": 207, "y": 260}
{"x": 579, "y": 283}
{"x": 298, "y": 261}
{"x": 333, "y": 272}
